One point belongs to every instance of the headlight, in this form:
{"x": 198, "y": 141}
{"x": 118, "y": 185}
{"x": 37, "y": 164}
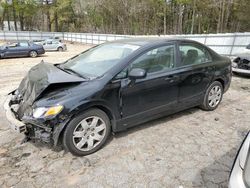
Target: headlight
{"x": 47, "y": 111}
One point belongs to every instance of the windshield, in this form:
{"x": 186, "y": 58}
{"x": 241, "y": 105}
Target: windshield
{"x": 97, "y": 61}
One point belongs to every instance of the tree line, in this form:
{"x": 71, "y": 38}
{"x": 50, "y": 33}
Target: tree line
{"x": 128, "y": 16}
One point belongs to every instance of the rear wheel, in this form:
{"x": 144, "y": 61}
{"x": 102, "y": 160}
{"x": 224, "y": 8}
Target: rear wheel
{"x": 87, "y": 132}
{"x": 213, "y": 96}
{"x": 60, "y": 49}
{"x": 33, "y": 53}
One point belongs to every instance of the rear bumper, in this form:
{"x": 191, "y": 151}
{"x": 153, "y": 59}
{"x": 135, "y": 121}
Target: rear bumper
{"x": 41, "y": 51}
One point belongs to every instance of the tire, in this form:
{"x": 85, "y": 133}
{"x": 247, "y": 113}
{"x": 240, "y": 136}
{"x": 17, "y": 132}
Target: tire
{"x": 33, "y": 53}
{"x": 1, "y": 55}
{"x": 87, "y": 132}
{"x": 60, "y": 49}
{"x": 213, "y": 96}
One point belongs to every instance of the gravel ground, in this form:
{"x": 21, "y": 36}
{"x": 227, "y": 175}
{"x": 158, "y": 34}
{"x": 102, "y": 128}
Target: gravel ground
{"x": 192, "y": 148}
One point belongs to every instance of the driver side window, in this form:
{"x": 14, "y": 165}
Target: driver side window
{"x": 160, "y": 59}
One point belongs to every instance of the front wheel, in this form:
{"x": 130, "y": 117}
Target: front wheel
{"x": 213, "y": 96}
{"x": 87, "y": 132}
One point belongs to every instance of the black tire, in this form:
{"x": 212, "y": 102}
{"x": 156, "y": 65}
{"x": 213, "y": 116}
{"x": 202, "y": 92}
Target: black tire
{"x": 205, "y": 105}
{"x": 60, "y": 49}
{"x": 1, "y": 55}
{"x": 68, "y": 142}
{"x": 33, "y": 53}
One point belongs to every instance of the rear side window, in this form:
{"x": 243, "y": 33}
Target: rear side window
{"x": 193, "y": 54}
{"x": 156, "y": 60}
{"x": 24, "y": 44}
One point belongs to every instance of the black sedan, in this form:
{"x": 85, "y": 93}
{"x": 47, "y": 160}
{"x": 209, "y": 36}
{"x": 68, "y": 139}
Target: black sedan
{"x": 21, "y": 49}
{"x": 114, "y": 86}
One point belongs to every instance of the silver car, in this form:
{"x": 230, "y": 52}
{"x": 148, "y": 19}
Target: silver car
{"x": 240, "y": 174}
{"x": 53, "y": 45}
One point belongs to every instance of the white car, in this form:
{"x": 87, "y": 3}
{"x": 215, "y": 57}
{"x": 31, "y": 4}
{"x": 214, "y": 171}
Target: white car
{"x": 53, "y": 45}
{"x": 240, "y": 174}
{"x": 247, "y": 49}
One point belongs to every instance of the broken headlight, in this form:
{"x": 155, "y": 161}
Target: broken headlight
{"x": 47, "y": 111}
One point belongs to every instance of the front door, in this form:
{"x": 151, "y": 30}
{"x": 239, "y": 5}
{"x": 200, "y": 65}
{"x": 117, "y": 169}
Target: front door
{"x": 143, "y": 99}
{"x": 12, "y": 50}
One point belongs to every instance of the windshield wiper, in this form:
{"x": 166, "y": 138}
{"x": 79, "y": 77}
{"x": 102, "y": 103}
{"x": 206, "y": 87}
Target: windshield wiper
{"x": 72, "y": 71}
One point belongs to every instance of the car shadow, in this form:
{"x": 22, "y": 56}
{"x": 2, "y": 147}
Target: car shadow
{"x": 155, "y": 122}
{"x": 124, "y": 133}
{"x": 216, "y": 175}
{"x": 42, "y": 55}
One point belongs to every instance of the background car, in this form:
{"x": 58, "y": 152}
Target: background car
{"x": 240, "y": 174}
{"x": 247, "y": 49}
{"x": 241, "y": 64}
{"x": 21, "y": 49}
{"x": 53, "y": 45}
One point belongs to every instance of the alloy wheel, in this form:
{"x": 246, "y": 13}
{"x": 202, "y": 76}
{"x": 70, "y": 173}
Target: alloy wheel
{"x": 33, "y": 53}
{"x": 214, "y": 96}
{"x": 89, "y": 133}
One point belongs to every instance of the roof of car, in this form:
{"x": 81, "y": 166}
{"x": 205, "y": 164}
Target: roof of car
{"x": 142, "y": 41}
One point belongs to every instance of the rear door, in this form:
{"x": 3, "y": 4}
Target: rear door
{"x": 48, "y": 45}
{"x": 155, "y": 94}
{"x": 23, "y": 48}
{"x": 196, "y": 71}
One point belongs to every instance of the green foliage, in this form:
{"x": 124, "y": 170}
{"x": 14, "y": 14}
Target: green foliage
{"x": 131, "y": 16}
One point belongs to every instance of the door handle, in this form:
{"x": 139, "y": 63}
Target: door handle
{"x": 171, "y": 79}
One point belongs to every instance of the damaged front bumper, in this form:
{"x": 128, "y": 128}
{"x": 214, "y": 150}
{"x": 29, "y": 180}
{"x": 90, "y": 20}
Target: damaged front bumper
{"x": 15, "y": 124}
{"x": 31, "y": 128}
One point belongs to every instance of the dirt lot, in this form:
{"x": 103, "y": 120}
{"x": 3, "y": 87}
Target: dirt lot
{"x": 189, "y": 149}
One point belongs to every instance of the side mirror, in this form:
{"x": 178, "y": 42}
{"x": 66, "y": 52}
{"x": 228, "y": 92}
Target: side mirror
{"x": 137, "y": 73}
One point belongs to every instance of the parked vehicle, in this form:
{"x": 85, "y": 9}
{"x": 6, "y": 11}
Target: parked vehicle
{"x": 53, "y": 45}
{"x": 114, "y": 86}
{"x": 56, "y": 38}
{"x": 247, "y": 49}
{"x": 240, "y": 174}
{"x": 21, "y": 49}
{"x": 241, "y": 64}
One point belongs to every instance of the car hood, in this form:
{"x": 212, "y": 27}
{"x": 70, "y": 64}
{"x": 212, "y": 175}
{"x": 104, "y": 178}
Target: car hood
{"x": 42, "y": 77}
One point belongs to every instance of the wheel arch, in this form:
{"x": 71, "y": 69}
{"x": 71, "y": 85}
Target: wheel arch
{"x": 59, "y": 135}
{"x": 221, "y": 80}
{"x": 31, "y": 50}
